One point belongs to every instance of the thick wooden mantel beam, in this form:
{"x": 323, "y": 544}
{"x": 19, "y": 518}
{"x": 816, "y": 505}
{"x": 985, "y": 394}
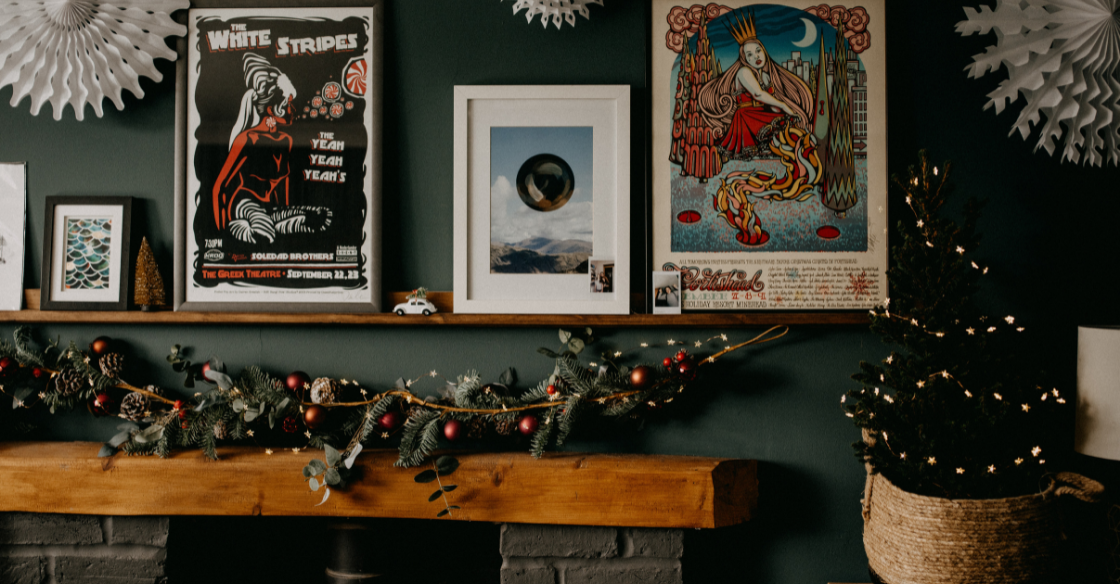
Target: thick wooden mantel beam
{"x": 561, "y": 488}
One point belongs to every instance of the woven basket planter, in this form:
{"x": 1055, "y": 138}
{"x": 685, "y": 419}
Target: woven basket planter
{"x": 915, "y": 539}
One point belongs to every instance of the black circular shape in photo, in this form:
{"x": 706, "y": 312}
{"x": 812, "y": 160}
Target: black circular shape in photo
{"x": 545, "y": 182}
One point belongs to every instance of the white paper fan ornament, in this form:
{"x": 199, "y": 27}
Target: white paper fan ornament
{"x": 555, "y": 10}
{"x": 81, "y": 51}
{"x": 1062, "y": 55}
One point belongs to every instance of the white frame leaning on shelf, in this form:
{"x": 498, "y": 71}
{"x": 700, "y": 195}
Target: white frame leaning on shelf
{"x": 13, "y": 230}
{"x": 331, "y": 261}
{"x": 479, "y": 109}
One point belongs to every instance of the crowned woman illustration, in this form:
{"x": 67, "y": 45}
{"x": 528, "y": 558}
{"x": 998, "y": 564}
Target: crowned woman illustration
{"x": 758, "y": 109}
{"x": 252, "y": 194}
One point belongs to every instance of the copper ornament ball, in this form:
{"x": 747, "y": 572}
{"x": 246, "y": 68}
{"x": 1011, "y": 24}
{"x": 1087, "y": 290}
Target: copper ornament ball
{"x": 641, "y": 377}
{"x": 100, "y": 345}
{"x": 314, "y": 416}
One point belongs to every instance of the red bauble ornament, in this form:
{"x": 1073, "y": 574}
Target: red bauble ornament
{"x": 668, "y": 362}
{"x": 641, "y": 377}
{"x": 453, "y": 430}
{"x": 101, "y": 400}
{"x": 314, "y": 416}
{"x": 6, "y": 363}
{"x": 100, "y": 345}
{"x": 296, "y": 380}
{"x": 178, "y": 404}
{"x": 527, "y": 425}
{"x": 681, "y": 356}
{"x": 687, "y": 368}
{"x": 389, "y": 420}
{"x": 551, "y": 390}
{"x": 37, "y": 373}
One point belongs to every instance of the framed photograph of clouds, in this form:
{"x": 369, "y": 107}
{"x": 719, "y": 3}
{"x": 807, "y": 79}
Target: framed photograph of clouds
{"x": 86, "y": 253}
{"x": 542, "y": 188}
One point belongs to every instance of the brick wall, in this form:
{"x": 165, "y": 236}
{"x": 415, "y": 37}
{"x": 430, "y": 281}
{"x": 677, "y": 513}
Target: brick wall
{"x": 69, "y": 549}
{"x": 550, "y": 554}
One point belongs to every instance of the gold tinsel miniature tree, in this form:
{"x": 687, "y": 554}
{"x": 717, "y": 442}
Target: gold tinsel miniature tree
{"x": 149, "y": 285}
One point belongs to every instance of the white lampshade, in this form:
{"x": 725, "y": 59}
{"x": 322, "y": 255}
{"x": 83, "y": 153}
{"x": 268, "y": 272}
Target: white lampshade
{"x": 1098, "y": 392}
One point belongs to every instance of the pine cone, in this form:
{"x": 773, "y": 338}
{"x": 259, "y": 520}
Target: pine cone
{"x": 505, "y": 426}
{"x": 221, "y": 430}
{"x": 112, "y": 365}
{"x": 69, "y": 382}
{"x": 476, "y": 428}
{"x": 324, "y": 390}
{"x": 134, "y": 405}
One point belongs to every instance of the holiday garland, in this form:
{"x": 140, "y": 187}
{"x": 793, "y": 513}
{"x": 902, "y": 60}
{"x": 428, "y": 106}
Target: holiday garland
{"x": 340, "y": 416}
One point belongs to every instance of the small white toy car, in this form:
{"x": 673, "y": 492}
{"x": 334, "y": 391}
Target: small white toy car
{"x": 415, "y": 306}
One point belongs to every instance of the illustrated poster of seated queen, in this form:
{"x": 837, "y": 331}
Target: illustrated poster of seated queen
{"x": 769, "y": 141}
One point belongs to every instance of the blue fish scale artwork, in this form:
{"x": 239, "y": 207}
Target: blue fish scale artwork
{"x": 88, "y": 243}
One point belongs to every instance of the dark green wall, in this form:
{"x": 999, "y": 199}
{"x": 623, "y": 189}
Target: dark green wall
{"x": 1049, "y": 238}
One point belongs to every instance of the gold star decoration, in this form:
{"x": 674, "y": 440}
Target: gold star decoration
{"x": 970, "y": 331}
{"x": 890, "y": 359}
{"x": 1010, "y": 319}
{"x": 1018, "y": 461}
{"x": 295, "y": 450}
{"x": 921, "y": 223}
{"x": 921, "y": 384}
{"x": 723, "y": 337}
{"x": 307, "y": 433}
{"x": 960, "y": 470}
{"x": 268, "y": 451}
{"x": 1036, "y": 451}
{"x": 902, "y": 456}
{"x": 698, "y": 344}
{"x": 672, "y": 342}
{"x": 960, "y": 250}
{"x": 992, "y": 468}
{"x": 1026, "y": 408}
{"x": 617, "y": 354}
{"x": 998, "y": 396}
{"x": 433, "y": 373}
{"x": 249, "y": 433}
{"x": 932, "y": 460}
{"x": 385, "y": 435}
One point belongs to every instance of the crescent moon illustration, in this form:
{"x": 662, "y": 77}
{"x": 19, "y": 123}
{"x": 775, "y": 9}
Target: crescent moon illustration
{"x": 810, "y": 34}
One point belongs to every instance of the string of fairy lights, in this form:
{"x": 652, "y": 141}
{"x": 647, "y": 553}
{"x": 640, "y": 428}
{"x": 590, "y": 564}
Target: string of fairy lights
{"x": 985, "y": 326}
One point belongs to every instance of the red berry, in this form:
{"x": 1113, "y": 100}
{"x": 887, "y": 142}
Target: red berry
{"x": 178, "y": 404}
{"x": 681, "y": 356}
{"x": 551, "y": 390}
{"x": 182, "y": 414}
{"x": 453, "y": 430}
{"x": 37, "y": 373}
{"x": 184, "y": 426}
{"x": 102, "y": 399}
{"x": 528, "y": 425}
{"x": 6, "y": 362}
{"x": 668, "y": 362}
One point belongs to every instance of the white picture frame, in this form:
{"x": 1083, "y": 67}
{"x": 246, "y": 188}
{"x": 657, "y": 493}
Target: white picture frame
{"x": 480, "y": 109}
{"x": 13, "y": 233}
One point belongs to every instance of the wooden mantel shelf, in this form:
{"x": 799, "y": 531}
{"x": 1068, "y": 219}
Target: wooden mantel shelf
{"x": 445, "y": 317}
{"x": 561, "y": 488}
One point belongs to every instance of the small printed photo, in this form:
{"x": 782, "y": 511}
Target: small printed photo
{"x": 666, "y": 292}
{"x": 602, "y": 276}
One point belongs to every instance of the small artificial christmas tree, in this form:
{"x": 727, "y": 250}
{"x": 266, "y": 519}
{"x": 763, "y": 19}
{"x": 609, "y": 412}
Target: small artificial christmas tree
{"x": 148, "y": 285}
{"x": 952, "y": 412}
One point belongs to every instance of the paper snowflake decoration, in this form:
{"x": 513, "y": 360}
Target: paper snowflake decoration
{"x": 1062, "y": 55}
{"x": 79, "y": 52}
{"x": 555, "y": 10}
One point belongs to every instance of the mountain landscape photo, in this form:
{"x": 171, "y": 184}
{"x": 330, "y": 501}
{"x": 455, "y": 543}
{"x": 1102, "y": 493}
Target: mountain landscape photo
{"x": 540, "y": 255}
